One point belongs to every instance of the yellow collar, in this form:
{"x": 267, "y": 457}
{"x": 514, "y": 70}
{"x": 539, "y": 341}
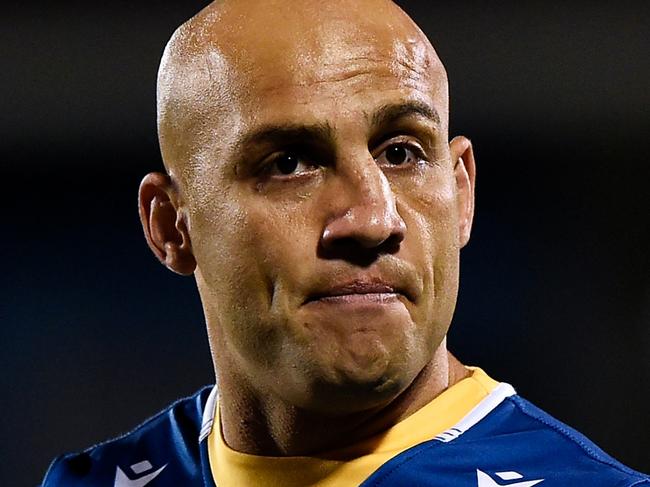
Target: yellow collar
{"x": 231, "y": 468}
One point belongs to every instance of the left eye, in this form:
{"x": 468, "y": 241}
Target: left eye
{"x": 398, "y": 155}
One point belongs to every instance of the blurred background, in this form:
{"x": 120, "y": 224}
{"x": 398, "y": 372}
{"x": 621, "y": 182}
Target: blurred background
{"x": 95, "y": 335}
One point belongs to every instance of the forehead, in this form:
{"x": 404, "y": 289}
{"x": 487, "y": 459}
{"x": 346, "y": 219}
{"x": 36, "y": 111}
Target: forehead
{"x": 302, "y": 53}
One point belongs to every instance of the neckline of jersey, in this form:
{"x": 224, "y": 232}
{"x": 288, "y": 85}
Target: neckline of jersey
{"x": 358, "y": 461}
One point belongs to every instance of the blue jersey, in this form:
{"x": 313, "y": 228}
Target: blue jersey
{"x": 505, "y": 441}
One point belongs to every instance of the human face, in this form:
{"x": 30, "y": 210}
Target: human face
{"x": 324, "y": 220}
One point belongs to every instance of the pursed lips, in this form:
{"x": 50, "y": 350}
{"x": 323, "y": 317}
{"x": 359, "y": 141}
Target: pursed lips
{"x": 358, "y": 291}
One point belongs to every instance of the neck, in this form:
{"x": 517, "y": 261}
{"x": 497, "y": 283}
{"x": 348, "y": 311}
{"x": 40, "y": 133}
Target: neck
{"x": 270, "y": 427}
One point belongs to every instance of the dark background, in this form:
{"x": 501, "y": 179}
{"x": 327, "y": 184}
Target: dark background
{"x": 555, "y": 296}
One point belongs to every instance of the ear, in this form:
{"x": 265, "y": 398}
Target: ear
{"x": 462, "y": 156}
{"x": 164, "y": 225}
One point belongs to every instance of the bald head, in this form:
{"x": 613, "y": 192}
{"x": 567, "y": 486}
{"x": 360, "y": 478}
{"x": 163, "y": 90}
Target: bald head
{"x": 238, "y": 56}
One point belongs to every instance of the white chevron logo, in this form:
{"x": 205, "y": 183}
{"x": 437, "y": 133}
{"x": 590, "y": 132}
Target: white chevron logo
{"x": 121, "y": 479}
{"x": 484, "y": 480}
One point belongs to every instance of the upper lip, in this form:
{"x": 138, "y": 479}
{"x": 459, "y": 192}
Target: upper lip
{"x": 359, "y": 286}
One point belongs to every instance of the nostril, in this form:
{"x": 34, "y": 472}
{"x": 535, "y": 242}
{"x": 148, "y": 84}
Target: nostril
{"x": 350, "y": 250}
{"x": 353, "y": 251}
{"x": 365, "y": 231}
{"x": 391, "y": 244}
{"x": 343, "y": 244}
{"x": 399, "y": 228}
{"x": 379, "y": 239}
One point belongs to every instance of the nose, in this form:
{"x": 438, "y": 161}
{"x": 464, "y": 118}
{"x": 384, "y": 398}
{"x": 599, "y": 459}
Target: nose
{"x": 366, "y": 215}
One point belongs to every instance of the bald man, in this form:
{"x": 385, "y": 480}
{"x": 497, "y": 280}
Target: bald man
{"x": 311, "y": 189}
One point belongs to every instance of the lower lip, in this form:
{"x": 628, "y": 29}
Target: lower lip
{"x": 367, "y": 299}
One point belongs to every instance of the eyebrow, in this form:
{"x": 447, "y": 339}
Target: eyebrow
{"x": 287, "y": 133}
{"x": 296, "y": 133}
{"x": 390, "y": 113}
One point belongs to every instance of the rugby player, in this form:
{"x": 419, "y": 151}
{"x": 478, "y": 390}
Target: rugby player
{"x": 312, "y": 190}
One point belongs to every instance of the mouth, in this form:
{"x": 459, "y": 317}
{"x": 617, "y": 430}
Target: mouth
{"x": 359, "y": 291}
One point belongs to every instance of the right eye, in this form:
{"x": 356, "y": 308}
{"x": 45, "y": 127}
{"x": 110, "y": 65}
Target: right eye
{"x": 287, "y": 164}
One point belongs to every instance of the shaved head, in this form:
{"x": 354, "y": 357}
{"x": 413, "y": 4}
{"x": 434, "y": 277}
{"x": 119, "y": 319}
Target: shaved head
{"x": 236, "y": 52}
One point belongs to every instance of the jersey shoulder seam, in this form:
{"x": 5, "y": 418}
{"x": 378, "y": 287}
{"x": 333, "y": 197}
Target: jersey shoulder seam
{"x": 600, "y": 457}
{"x": 640, "y": 482}
{"x": 140, "y": 426}
{"x": 151, "y": 419}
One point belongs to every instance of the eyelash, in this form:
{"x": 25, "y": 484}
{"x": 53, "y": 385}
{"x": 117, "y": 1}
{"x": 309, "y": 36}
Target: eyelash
{"x": 269, "y": 165}
{"x": 416, "y": 149}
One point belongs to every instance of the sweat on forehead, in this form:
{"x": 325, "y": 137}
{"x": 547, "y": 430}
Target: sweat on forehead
{"x": 239, "y": 51}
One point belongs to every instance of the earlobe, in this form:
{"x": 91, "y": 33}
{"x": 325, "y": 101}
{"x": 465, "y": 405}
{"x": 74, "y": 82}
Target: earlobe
{"x": 462, "y": 155}
{"x": 164, "y": 225}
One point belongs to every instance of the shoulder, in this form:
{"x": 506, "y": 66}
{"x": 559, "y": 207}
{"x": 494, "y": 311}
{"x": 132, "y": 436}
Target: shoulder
{"x": 168, "y": 441}
{"x": 567, "y": 453}
{"x": 512, "y": 439}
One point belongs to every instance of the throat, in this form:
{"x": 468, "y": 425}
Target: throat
{"x": 269, "y": 427}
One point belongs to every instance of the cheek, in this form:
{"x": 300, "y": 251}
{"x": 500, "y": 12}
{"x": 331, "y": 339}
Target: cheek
{"x": 245, "y": 252}
{"x": 232, "y": 250}
{"x": 283, "y": 236}
{"x": 430, "y": 200}
{"x": 235, "y": 292}
{"x": 429, "y": 206}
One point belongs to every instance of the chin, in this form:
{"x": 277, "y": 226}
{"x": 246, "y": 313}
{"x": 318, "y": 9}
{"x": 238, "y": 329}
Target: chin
{"x": 359, "y": 382}
{"x": 341, "y": 365}
{"x": 354, "y": 397}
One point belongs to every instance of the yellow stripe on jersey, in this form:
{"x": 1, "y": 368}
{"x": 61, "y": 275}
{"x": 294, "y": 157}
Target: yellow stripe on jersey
{"x": 233, "y": 469}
